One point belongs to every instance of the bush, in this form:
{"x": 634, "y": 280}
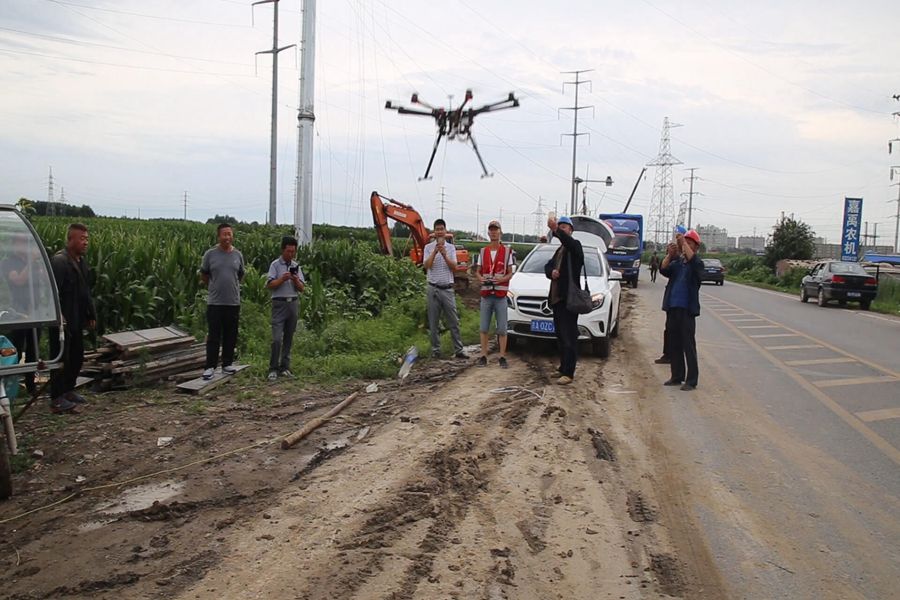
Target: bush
{"x": 791, "y": 279}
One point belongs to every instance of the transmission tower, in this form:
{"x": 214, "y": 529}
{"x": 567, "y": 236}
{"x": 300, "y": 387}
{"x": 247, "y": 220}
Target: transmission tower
{"x": 690, "y": 196}
{"x": 443, "y": 200}
{"x": 538, "y": 216}
{"x": 50, "y": 196}
{"x": 62, "y": 195}
{"x": 895, "y": 170}
{"x": 662, "y": 200}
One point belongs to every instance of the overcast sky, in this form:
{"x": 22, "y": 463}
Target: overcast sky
{"x": 784, "y": 106}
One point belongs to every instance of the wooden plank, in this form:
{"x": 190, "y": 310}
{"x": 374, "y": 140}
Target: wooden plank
{"x": 200, "y": 385}
{"x": 156, "y": 347}
{"x": 126, "y": 339}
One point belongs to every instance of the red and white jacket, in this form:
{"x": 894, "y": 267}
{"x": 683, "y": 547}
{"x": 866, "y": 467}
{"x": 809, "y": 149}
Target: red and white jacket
{"x": 497, "y": 268}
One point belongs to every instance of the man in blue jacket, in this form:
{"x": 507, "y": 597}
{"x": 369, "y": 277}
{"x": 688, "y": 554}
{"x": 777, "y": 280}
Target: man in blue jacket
{"x": 683, "y": 306}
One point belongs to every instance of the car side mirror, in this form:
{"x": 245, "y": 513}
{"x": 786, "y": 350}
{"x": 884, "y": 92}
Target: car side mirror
{"x": 615, "y": 276}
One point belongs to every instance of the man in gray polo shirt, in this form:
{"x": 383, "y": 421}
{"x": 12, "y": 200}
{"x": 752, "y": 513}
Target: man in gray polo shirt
{"x": 285, "y": 280}
{"x": 440, "y": 263}
{"x": 222, "y": 270}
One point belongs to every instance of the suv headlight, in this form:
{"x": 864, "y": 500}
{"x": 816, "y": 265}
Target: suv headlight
{"x": 597, "y": 300}
{"x": 511, "y": 300}
{"x": 637, "y": 263}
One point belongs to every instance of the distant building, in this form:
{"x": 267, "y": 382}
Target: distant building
{"x": 833, "y": 251}
{"x": 732, "y": 243}
{"x": 715, "y": 238}
{"x": 752, "y": 242}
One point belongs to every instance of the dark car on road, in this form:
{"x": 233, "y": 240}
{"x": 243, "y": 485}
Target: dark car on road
{"x": 713, "y": 271}
{"x": 841, "y": 281}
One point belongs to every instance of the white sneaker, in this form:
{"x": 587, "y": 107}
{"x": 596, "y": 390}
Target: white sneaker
{"x": 229, "y": 370}
{"x": 208, "y": 373}
{"x": 273, "y": 376}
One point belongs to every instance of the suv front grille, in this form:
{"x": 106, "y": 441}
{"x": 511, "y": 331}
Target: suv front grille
{"x": 535, "y": 306}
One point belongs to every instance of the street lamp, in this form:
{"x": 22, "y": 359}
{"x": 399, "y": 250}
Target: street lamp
{"x": 578, "y": 181}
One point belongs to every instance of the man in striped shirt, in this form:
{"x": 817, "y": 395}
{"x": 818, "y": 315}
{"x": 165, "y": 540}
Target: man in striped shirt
{"x": 440, "y": 264}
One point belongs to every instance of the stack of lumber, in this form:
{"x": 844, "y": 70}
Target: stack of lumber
{"x": 132, "y": 358}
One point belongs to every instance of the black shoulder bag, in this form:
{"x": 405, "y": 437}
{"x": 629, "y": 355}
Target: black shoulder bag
{"x": 578, "y": 300}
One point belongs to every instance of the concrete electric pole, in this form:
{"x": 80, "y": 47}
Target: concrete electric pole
{"x": 577, "y": 83}
{"x": 306, "y": 117}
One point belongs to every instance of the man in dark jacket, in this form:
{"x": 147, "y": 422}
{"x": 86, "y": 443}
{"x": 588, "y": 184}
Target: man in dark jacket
{"x": 72, "y": 280}
{"x": 682, "y": 305}
{"x": 565, "y": 266}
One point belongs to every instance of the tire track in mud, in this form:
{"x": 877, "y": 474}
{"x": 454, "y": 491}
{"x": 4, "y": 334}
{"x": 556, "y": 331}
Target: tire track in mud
{"x": 448, "y": 482}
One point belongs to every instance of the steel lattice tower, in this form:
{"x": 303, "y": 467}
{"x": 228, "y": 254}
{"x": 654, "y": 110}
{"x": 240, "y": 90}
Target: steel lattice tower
{"x": 662, "y": 201}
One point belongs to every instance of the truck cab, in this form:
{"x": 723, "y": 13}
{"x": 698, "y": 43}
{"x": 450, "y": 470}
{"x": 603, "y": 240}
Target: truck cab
{"x": 625, "y": 249}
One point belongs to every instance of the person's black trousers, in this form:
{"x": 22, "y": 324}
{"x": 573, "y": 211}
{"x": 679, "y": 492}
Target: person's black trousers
{"x": 565, "y": 322}
{"x": 62, "y": 381}
{"x": 25, "y": 343}
{"x": 683, "y": 343}
{"x": 667, "y": 344}
{"x": 223, "y": 331}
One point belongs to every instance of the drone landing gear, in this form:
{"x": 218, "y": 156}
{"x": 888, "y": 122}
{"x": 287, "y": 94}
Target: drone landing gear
{"x": 437, "y": 142}
{"x": 480, "y": 160}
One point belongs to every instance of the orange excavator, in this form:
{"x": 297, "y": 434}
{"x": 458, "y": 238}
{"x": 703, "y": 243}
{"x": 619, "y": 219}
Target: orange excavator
{"x": 384, "y": 208}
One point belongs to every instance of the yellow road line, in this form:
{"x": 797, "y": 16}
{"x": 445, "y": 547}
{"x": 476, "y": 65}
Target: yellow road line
{"x": 879, "y": 415}
{"x": 876, "y": 440}
{"x": 793, "y": 347}
{"x": 773, "y": 335}
{"x": 854, "y": 381}
{"x": 819, "y": 361}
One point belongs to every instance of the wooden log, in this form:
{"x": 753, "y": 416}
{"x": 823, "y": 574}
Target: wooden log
{"x": 304, "y": 431}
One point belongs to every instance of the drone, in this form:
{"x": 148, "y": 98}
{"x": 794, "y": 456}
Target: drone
{"x": 454, "y": 123}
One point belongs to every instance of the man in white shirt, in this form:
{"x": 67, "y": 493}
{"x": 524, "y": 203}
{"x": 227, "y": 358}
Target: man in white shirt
{"x": 440, "y": 264}
{"x": 285, "y": 281}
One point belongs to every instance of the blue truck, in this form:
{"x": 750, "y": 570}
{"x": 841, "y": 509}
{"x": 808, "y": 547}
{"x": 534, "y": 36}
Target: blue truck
{"x": 625, "y": 249}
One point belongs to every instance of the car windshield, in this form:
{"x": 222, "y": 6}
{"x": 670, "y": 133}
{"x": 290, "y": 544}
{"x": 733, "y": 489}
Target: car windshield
{"x": 624, "y": 243}
{"x": 712, "y": 262}
{"x": 26, "y": 292}
{"x": 537, "y": 258}
{"x": 848, "y": 268}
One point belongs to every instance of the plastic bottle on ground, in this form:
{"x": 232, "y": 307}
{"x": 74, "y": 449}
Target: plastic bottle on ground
{"x": 408, "y": 361}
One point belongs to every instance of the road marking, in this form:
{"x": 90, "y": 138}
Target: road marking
{"x": 879, "y": 415}
{"x": 774, "y": 335}
{"x": 758, "y": 326}
{"x": 819, "y": 361}
{"x": 745, "y": 320}
{"x": 793, "y": 347}
{"x": 888, "y": 449}
{"x": 854, "y": 381}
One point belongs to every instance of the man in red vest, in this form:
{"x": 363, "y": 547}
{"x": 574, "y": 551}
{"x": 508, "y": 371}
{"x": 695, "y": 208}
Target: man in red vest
{"x": 494, "y": 273}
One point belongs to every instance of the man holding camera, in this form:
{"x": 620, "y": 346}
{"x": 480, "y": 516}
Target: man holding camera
{"x": 285, "y": 281}
{"x": 494, "y": 274}
{"x": 440, "y": 264}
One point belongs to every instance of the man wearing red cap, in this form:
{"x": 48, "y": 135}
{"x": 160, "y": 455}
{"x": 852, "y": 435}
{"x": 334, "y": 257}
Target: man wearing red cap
{"x": 683, "y": 306}
{"x": 494, "y": 274}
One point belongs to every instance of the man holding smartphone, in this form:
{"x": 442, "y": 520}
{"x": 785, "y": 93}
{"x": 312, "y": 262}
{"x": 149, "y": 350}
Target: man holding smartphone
{"x": 440, "y": 264}
{"x": 285, "y": 281}
{"x": 683, "y": 267}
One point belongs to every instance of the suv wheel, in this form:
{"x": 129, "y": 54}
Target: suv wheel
{"x": 601, "y": 347}
{"x": 821, "y": 301}
{"x": 803, "y": 296}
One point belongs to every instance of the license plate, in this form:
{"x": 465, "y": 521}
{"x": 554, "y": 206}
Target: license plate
{"x": 854, "y": 294}
{"x": 540, "y": 326}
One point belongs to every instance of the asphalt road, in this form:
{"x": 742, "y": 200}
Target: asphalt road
{"x": 791, "y": 444}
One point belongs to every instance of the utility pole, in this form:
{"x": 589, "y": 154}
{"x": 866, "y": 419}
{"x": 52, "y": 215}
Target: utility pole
{"x": 477, "y": 220}
{"x": 185, "y": 205}
{"x": 273, "y": 150}
{"x": 306, "y": 117}
{"x": 896, "y": 170}
{"x": 577, "y": 83}
{"x": 443, "y": 200}
{"x": 690, "y": 208}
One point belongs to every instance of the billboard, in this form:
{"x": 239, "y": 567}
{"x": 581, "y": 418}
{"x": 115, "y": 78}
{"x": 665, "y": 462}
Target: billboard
{"x": 850, "y": 229}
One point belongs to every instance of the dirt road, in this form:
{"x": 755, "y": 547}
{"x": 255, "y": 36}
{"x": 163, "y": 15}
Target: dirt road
{"x": 465, "y": 483}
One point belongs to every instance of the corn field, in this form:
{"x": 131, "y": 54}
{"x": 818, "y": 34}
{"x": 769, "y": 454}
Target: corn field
{"x": 145, "y": 273}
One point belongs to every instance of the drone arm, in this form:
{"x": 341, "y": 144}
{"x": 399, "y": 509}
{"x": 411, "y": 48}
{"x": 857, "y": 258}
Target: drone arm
{"x": 510, "y": 102}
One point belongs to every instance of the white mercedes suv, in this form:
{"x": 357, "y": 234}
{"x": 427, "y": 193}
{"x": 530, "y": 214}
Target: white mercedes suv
{"x": 530, "y": 315}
